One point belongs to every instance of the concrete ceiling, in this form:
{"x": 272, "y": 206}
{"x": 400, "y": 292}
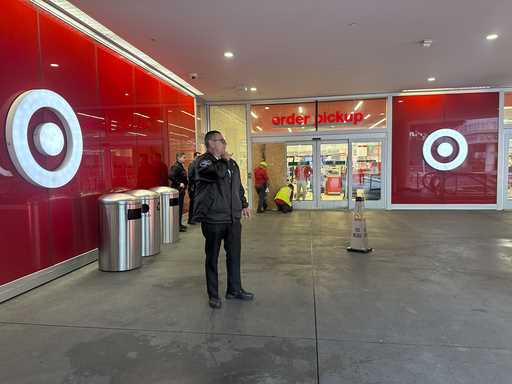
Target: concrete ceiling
{"x": 296, "y": 48}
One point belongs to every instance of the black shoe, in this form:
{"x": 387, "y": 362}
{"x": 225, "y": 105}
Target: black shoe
{"x": 240, "y": 295}
{"x": 214, "y": 303}
{"x": 183, "y": 228}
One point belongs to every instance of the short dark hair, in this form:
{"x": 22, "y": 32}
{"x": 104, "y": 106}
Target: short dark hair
{"x": 179, "y": 154}
{"x": 209, "y": 136}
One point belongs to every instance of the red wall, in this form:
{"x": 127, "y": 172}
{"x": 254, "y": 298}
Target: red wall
{"x": 122, "y": 149}
{"x": 473, "y": 115}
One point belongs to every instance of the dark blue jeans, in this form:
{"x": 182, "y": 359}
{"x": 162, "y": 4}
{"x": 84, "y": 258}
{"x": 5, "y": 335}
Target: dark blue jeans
{"x": 262, "y": 203}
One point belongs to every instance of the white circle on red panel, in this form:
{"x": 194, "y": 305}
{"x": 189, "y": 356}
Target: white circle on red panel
{"x": 48, "y": 138}
{"x": 445, "y": 149}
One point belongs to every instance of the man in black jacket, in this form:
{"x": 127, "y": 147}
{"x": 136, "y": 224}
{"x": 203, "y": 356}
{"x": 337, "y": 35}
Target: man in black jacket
{"x": 192, "y": 187}
{"x": 219, "y": 205}
{"x": 179, "y": 181}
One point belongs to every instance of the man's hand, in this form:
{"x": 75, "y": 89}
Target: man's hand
{"x": 246, "y": 212}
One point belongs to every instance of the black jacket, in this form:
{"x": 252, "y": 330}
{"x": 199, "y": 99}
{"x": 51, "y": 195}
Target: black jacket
{"x": 219, "y": 195}
{"x": 192, "y": 177}
{"x": 177, "y": 175}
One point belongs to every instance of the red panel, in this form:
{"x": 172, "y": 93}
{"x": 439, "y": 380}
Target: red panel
{"x": 24, "y": 232}
{"x": 475, "y": 116}
{"x": 122, "y": 113}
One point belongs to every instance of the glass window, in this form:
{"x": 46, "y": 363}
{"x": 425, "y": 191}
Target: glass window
{"x": 343, "y": 114}
{"x": 509, "y": 163}
{"x": 333, "y": 171}
{"x": 231, "y": 121}
{"x": 282, "y": 118}
{"x": 508, "y": 109}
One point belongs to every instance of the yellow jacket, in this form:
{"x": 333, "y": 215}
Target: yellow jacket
{"x": 284, "y": 194}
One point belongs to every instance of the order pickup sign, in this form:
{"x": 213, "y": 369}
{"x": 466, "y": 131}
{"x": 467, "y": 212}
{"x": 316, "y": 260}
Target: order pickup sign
{"x": 321, "y": 118}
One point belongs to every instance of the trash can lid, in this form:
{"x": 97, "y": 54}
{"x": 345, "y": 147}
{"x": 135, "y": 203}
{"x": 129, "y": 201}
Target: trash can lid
{"x": 118, "y": 198}
{"x": 165, "y": 190}
{"x": 144, "y": 194}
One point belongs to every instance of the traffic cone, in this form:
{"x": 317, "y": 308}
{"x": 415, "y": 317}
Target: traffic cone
{"x": 359, "y": 238}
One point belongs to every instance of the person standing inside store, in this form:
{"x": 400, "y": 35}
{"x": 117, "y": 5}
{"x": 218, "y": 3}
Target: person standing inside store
{"x": 179, "y": 181}
{"x": 219, "y": 205}
{"x": 302, "y": 174}
{"x": 261, "y": 185}
{"x": 191, "y": 187}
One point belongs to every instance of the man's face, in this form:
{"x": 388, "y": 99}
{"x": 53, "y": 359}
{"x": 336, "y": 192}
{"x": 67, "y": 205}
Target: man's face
{"x": 181, "y": 159}
{"x": 218, "y": 144}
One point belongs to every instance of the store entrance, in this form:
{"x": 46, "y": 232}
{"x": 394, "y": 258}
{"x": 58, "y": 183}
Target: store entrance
{"x": 329, "y": 174}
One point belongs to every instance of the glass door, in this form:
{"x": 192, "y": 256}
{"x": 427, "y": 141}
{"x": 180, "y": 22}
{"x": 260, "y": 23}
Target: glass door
{"x": 300, "y": 168}
{"x": 333, "y": 181}
{"x": 366, "y": 172}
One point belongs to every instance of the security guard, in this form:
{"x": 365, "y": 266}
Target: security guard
{"x": 219, "y": 205}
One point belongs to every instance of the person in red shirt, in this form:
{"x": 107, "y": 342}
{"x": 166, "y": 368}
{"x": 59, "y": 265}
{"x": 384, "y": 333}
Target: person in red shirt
{"x": 261, "y": 185}
{"x": 302, "y": 173}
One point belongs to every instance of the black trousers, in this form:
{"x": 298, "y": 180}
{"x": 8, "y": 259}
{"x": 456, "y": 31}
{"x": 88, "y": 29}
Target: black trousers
{"x": 181, "y": 202}
{"x": 285, "y": 208}
{"x": 262, "y": 196}
{"x": 214, "y": 234}
{"x": 190, "y": 207}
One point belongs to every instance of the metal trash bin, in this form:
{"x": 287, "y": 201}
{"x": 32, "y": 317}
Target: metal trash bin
{"x": 150, "y": 227}
{"x": 169, "y": 213}
{"x": 120, "y": 234}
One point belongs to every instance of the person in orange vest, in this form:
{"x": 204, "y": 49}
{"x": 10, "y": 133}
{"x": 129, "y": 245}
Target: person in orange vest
{"x": 261, "y": 185}
{"x": 283, "y": 199}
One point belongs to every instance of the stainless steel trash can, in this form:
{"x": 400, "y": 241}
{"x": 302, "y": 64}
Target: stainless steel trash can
{"x": 150, "y": 223}
{"x": 120, "y": 232}
{"x": 169, "y": 213}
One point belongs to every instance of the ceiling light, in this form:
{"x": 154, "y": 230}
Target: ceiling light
{"x": 54, "y": 65}
{"x": 427, "y": 43}
{"x": 267, "y": 108}
{"x": 259, "y": 128}
{"x": 127, "y": 94}
{"x": 492, "y": 36}
{"x": 358, "y": 105}
{"x": 431, "y": 79}
{"x": 253, "y": 89}
{"x": 229, "y": 55}
{"x": 301, "y": 110}
{"x": 382, "y": 113}
{"x": 367, "y": 116}
{"x": 400, "y": 101}
{"x": 254, "y": 115}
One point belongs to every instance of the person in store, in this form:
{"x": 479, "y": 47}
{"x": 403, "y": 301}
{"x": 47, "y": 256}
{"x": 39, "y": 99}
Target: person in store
{"x": 302, "y": 173}
{"x": 219, "y": 205}
{"x": 284, "y": 198}
{"x": 191, "y": 187}
{"x": 261, "y": 185}
{"x": 179, "y": 181}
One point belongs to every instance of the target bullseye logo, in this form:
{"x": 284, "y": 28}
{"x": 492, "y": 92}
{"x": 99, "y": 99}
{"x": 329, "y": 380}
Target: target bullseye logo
{"x": 48, "y": 138}
{"x": 445, "y": 150}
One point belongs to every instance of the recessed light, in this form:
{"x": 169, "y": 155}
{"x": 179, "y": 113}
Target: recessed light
{"x": 229, "y": 55}
{"x": 301, "y": 110}
{"x": 127, "y": 94}
{"x": 400, "y": 101}
{"x": 492, "y": 36}
{"x": 253, "y": 89}
{"x": 54, "y": 65}
{"x": 267, "y": 108}
{"x": 431, "y": 79}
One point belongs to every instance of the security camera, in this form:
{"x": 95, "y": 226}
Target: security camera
{"x": 193, "y": 76}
